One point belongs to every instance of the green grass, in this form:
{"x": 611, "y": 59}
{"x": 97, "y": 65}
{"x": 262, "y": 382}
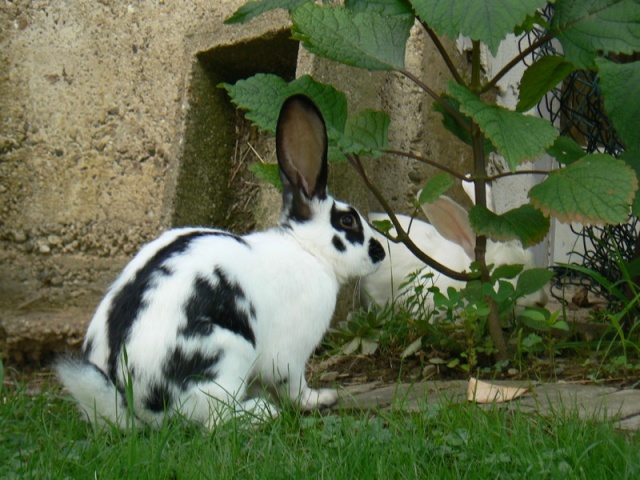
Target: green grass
{"x": 42, "y": 436}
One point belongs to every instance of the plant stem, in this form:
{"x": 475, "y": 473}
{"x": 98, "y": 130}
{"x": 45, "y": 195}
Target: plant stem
{"x": 401, "y": 235}
{"x": 443, "y": 53}
{"x": 491, "y": 178}
{"x": 422, "y": 159}
{"x": 480, "y": 187}
{"x": 475, "y": 66}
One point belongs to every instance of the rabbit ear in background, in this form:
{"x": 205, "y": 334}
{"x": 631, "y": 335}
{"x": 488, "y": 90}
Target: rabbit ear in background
{"x": 468, "y": 187}
{"x": 301, "y": 146}
{"x": 452, "y": 222}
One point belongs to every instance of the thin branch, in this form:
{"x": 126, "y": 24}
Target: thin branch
{"x": 516, "y": 60}
{"x": 517, "y": 172}
{"x": 443, "y": 53}
{"x": 422, "y": 159}
{"x": 401, "y": 235}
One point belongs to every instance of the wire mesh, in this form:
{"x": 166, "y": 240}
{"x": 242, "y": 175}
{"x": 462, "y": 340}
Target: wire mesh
{"x": 577, "y": 109}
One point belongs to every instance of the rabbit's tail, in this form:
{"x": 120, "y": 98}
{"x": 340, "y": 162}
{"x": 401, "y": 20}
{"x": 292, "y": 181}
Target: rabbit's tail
{"x": 97, "y": 396}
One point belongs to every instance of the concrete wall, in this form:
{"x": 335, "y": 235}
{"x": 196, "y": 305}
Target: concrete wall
{"x": 112, "y": 129}
{"x": 102, "y": 106}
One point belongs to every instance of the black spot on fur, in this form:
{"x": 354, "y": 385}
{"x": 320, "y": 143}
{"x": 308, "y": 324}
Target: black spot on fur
{"x": 128, "y": 301}
{"x": 158, "y": 398}
{"x": 184, "y": 368}
{"x": 222, "y": 304}
{"x": 376, "y": 251}
{"x": 349, "y": 222}
{"x": 339, "y": 244}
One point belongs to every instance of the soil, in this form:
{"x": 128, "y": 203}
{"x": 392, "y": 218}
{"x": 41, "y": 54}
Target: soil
{"x": 30, "y": 340}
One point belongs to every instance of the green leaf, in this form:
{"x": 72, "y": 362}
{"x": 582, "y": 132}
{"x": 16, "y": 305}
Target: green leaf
{"x": 525, "y": 223}
{"x": 331, "y": 102}
{"x": 539, "y": 78}
{"x": 532, "y": 280}
{"x": 535, "y": 320}
{"x": 505, "y": 271}
{"x": 587, "y": 29}
{"x": 385, "y": 7}
{"x": 384, "y": 226}
{"x": 454, "y": 127}
{"x": 561, "y": 325}
{"x": 597, "y": 189}
{"x": 253, "y": 9}
{"x": 435, "y": 186}
{"x": 619, "y": 84}
{"x": 366, "y": 133}
{"x": 517, "y": 137}
{"x": 566, "y": 150}
{"x": 262, "y": 97}
{"x": 532, "y": 21}
{"x": 362, "y": 39}
{"x": 632, "y": 158}
{"x": 268, "y": 172}
{"x": 486, "y": 20}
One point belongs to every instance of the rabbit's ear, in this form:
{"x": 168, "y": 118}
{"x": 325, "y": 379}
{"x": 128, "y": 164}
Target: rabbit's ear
{"x": 469, "y": 189}
{"x": 452, "y": 222}
{"x": 301, "y": 146}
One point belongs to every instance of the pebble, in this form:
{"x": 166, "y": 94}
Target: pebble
{"x": 54, "y": 240}
{"x": 44, "y": 248}
{"x": 19, "y": 236}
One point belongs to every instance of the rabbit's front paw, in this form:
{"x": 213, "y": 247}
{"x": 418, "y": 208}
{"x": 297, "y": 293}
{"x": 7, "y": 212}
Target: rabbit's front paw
{"x": 311, "y": 399}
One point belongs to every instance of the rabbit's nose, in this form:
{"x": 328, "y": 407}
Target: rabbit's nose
{"x": 376, "y": 251}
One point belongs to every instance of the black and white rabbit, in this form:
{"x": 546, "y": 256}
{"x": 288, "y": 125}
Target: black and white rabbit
{"x": 201, "y": 316}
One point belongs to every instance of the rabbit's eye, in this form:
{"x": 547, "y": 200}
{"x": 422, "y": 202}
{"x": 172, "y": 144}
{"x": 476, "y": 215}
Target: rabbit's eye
{"x": 348, "y": 221}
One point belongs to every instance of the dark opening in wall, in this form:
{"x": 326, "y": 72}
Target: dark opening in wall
{"x": 208, "y": 184}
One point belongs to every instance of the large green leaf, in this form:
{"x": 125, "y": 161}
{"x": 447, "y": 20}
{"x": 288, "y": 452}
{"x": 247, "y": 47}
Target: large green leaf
{"x": 525, "y": 223}
{"x": 539, "y": 78}
{"x": 387, "y": 7}
{"x": 253, "y": 9}
{"x": 362, "y": 39}
{"x": 486, "y": 20}
{"x": 587, "y": 28}
{"x": 517, "y": 137}
{"x": 366, "y": 133}
{"x": 262, "y": 97}
{"x": 619, "y": 84}
{"x": 597, "y": 189}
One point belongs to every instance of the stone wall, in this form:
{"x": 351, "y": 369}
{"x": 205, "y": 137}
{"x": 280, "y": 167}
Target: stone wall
{"x": 112, "y": 130}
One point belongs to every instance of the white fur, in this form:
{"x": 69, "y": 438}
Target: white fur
{"x": 382, "y": 286}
